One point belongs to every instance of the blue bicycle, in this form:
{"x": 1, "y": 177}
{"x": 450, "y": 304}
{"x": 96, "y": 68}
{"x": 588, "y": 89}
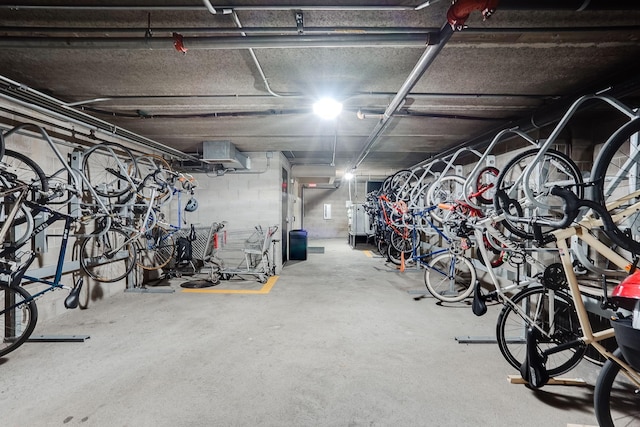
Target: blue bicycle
{"x": 449, "y": 275}
{"x": 18, "y": 312}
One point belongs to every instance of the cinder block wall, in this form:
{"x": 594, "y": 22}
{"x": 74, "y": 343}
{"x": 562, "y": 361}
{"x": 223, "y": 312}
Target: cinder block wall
{"x": 314, "y": 200}
{"x": 244, "y": 198}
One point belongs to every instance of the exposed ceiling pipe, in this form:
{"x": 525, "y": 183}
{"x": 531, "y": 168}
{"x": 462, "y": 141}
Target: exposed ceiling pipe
{"x": 307, "y": 30}
{"x": 222, "y": 30}
{"x": 254, "y": 57}
{"x": 105, "y": 7}
{"x": 576, "y": 5}
{"x": 347, "y": 96}
{"x": 215, "y": 11}
{"x": 419, "y": 69}
{"x": 425, "y": 4}
{"x": 23, "y": 95}
{"x": 195, "y": 43}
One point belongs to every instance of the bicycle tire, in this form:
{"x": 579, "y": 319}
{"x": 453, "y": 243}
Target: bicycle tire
{"x": 18, "y": 324}
{"x": 450, "y": 278}
{"x": 28, "y": 172}
{"x": 156, "y": 168}
{"x": 395, "y": 256}
{"x": 402, "y": 182}
{"x": 615, "y": 399}
{"x": 105, "y": 173}
{"x": 496, "y": 257}
{"x": 382, "y": 245}
{"x": 98, "y": 262}
{"x": 21, "y": 227}
{"x": 61, "y": 197}
{"x": 399, "y": 241}
{"x": 612, "y": 159}
{"x": 448, "y": 189}
{"x": 511, "y": 327}
{"x": 25, "y": 171}
{"x": 155, "y": 249}
{"x": 554, "y": 168}
{"x": 486, "y": 176}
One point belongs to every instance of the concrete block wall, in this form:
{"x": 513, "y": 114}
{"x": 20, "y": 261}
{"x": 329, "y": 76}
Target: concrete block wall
{"x": 314, "y": 200}
{"x": 243, "y": 199}
{"x": 37, "y": 149}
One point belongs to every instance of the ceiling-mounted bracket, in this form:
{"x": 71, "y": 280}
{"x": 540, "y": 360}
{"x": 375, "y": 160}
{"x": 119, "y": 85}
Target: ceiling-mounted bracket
{"x": 299, "y": 22}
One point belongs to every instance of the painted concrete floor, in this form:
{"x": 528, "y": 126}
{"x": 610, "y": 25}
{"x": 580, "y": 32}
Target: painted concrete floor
{"x": 339, "y": 339}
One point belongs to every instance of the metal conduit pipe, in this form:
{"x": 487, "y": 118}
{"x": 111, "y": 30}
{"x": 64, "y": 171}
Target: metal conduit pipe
{"x": 52, "y": 107}
{"x": 225, "y": 30}
{"x": 577, "y": 5}
{"x": 74, "y": 7}
{"x": 310, "y": 30}
{"x": 253, "y": 56}
{"x": 348, "y": 96}
{"x": 419, "y": 69}
{"x": 196, "y": 43}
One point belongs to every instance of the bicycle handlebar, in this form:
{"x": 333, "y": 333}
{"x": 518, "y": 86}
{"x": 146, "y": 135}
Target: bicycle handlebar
{"x": 571, "y": 209}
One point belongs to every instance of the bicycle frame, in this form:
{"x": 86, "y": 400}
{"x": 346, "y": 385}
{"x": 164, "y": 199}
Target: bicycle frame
{"x": 526, "y": 176}
{"x": 578, "y": 231}
{"x": 486, "y": 225}
{"x": 19, "y": 274}
{"x": 419, "y": 259}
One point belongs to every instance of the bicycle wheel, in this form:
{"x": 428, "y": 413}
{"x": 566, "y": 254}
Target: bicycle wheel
{"x": 395, "y": 256}
{"x": 18, "y": 321}
{"x": 28, "y": 172}
{"x": 447, "y": 189}
{"x": 554, "y": 169}
{"x": 449, "y": 277}
{"x": 401, "y": 239}
{"x": 382, "y": 245}
{"x": 108, "y": 167}
{"x": 496, "y": 256}
{"x": 152, "y": 167}
{"x": 402, "y": 182}
{"x": 108, "y": 256}
{"x": 616, "y": 173}
{"x": 486, "y": 184}
{"x": 616, "y": 399}
{"x": 155, "y": 249}
{"x": 533, "y": 306}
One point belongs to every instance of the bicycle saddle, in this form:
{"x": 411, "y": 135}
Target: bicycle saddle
{"x": 478, "y": 305}
{"x": 72, "y": 300}
{"x": 532, "y": 369}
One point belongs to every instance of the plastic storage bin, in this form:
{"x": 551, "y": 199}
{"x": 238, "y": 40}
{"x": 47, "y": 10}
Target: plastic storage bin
{"x": 298, "y": 244}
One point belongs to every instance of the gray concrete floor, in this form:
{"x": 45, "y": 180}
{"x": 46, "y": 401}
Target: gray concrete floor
{"x": 337, "y": 341}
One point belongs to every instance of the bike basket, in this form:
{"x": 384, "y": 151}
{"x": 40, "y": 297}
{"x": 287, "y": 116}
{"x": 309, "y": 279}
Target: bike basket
{"x": 628, "y": 340}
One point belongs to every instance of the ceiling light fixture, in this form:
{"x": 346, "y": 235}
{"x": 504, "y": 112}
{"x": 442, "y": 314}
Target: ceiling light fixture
{"x": 348, "y": 176}
{"x": 327, "y": 108}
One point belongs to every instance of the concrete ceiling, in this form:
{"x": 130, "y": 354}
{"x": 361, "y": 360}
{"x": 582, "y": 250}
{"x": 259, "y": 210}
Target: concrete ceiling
{"x": 255, "y": 87}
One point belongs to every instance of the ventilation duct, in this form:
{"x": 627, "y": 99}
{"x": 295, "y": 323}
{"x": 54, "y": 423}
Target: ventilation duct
{"x": 314, "y": 174}
{"x": 225, "y": 153}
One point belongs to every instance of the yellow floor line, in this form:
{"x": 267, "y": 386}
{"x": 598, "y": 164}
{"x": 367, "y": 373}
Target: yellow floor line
{"x": 264, "y": 290}
{"x": 368, "y": 253}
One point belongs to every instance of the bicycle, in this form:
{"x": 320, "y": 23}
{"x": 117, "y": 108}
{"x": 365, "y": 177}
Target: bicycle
{"x": 449, "y": 275}
{"x": 524, "y": 186}
{"x": 19, "y": 315}
{"x": 535, "y": 300}
{"x": 534, "y": 368}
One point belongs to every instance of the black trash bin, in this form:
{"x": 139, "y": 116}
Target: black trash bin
{"x": 298, "y": 244}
